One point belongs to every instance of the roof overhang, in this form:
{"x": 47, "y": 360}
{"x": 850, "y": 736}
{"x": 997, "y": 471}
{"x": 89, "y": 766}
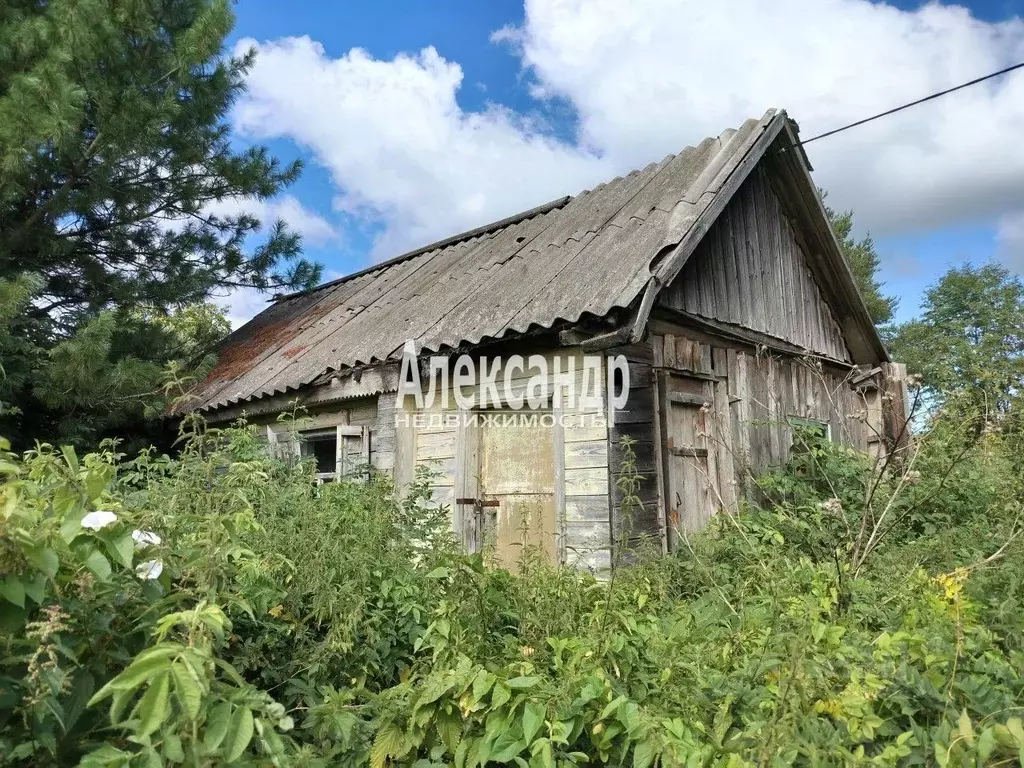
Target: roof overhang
{"x": 778, "y": 146}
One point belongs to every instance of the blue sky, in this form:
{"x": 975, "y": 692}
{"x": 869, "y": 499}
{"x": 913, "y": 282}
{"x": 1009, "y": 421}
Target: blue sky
{"x": 443, "y": 124}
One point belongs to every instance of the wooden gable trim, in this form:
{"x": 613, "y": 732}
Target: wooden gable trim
{"x": 789, "y": 174}
{"x": 790, "y": 177}
{"x": 670, "y": 266}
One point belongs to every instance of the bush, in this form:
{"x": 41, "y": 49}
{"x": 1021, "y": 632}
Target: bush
{"x": 220, "y": 607}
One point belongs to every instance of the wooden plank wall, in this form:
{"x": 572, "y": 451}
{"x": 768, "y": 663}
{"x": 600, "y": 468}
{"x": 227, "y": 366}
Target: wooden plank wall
{"x": 587, "y": 516}
{"x": 382, "y": 444}
{"x": 357, "y": 412}
{"x": 582, "y": 480}
{"x": 637, "y": 421}
{"x": 756, "y": 393}
{"x": 751, "y": 270}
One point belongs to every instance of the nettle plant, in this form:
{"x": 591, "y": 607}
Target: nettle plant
{"x": 109, "y": 655}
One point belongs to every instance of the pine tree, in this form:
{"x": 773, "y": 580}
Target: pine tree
{"x": 864, "y": 262}
{"x": 114, "y": 143}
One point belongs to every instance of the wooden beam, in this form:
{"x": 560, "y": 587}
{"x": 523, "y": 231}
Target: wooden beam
{"x": 688, "y": 398}
{"x": 606, "y": 340}
{"x": 665, "y": 318}
{"x": 670, "y": 266}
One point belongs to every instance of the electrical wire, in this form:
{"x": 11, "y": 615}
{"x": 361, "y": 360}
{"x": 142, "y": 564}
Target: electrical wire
{"x": 911, "y": 104}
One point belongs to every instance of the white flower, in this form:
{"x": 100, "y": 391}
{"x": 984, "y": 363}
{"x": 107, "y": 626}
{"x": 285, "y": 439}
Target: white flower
{"x": 144, "y": 539}
{"x": 101, "y": 518}
{"x": 149, "y": 570}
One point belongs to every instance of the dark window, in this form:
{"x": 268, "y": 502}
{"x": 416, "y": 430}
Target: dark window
{"x": 324, "y": 450}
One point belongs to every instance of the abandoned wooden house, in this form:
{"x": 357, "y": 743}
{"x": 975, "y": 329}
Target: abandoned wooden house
{"x": 714, "y": 272}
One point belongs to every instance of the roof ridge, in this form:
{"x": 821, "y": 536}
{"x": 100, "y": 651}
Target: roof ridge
{"x": 443, "y": 243}
{"x": 539, "y": 210}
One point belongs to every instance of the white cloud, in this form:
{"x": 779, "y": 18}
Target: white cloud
{"x": 646, "y": 78}
{"x": 651, "y": 75}
{"x": 315, "y": 230}
{"x": 243, "y": 304}
{"x": 398, "y": 145}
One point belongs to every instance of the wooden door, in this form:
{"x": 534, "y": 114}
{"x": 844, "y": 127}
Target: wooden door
{"x": 517, "y": 481}
{"x": 690, "y": 457}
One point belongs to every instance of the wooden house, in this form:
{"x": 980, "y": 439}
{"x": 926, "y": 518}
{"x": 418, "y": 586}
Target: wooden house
{"x": 713, "y": 272}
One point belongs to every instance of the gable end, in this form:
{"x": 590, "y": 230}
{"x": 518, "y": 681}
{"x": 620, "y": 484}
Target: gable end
{"x": 751, "y": 270}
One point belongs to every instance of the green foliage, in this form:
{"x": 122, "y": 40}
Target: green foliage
{"x": 107, "y": 377}
{"x": 115, "y": 148}
{"x": 968, "y": 344}
{"x": 302, "y": 624}
{"x": 114, "y": 141}
{"x": 864, "y": 261}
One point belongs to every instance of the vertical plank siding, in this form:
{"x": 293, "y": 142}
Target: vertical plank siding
{"x": 756, "y": 397}
{"x": 636, "y": 422}
{"x": 751, "y": 271}
{"x": 582, "y": 491}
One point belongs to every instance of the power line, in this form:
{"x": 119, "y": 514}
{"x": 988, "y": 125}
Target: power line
{"x": 911, "y": 104}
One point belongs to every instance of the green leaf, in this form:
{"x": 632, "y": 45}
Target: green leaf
{"x": 147, "y": 664}
{"x": 70, "y": 457}
{"x": 508, "y": 744}
{"x": 172, "y": 748}
{"x": 75, "y": 705}
{"x": 96, "y": 480}
{"x": 72, "y": 525}
{"x": 98, "y": 564}
{"x": 12, "y": 590}
{"x": 217, "y": 722}
{"x": 1016, "y": 728}
{"x": 187, "y": 689}
{"x": 533, "y": 718}
{"x": 521, "y": 683}
{"x": 482, "y": 684}
{"x": 269, "y": 739}
{"x": 35, "y": 588}
{"x": 965, "y": 727}
{"x": 542, "y": 757}
{"x": 389, "y": 742}
{"x": 613, "y": 705}
{"x": 44, "y": 559}
{"x": 986, "y": 743}
{"x": 239, "y": 734}
{"x": 644, "y": 754}
{"x": 120, "y": 546}
{"x": 104, "y": 757}
{"x": 500, "y": 696}
{"x": 449, "y": 727}
{"x": 119, "y": 704}
{"x": 153, "y": 708}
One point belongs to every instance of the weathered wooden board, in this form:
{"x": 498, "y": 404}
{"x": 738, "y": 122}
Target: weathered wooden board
{"x": 751, "y": 271}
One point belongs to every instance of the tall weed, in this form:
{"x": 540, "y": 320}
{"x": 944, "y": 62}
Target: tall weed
{"x": 293, "y": 623}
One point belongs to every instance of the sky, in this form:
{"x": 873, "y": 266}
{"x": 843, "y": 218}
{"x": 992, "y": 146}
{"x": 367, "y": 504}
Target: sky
{"x": 418, "y": 120}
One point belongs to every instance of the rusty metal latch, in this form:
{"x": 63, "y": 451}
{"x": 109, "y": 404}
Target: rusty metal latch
{"x": 479, "y": 504}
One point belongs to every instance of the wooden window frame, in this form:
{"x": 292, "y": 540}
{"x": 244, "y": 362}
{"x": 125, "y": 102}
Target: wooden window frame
{"x": 341, "y": 432}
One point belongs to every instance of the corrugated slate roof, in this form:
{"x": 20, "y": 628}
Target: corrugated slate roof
{"x": 576, "y": 256}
